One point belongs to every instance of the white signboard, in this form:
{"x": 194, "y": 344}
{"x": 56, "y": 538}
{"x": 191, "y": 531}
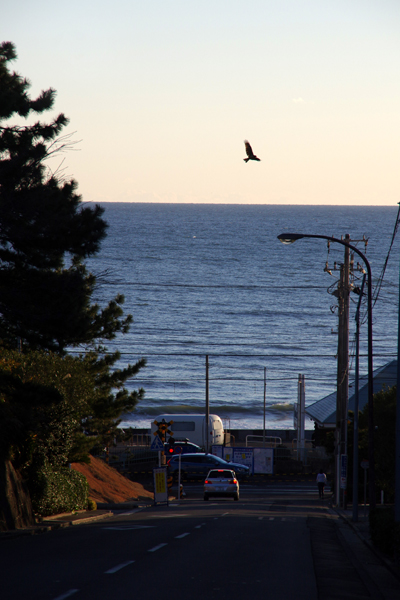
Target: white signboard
{"x": 264, "y": 460}
{"x": 260, "y": 460}
{"x": 244, "y": 456}
{"x": 219, "y": 451}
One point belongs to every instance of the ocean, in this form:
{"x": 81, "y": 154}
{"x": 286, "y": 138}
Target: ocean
{"x": 214, "y": 280}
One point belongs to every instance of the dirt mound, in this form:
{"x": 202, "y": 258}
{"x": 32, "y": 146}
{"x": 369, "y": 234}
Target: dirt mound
{"x": 107, "y": 485}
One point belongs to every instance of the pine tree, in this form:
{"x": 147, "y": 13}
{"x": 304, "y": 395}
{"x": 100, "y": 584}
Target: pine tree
{"x": 45, "y": 231}
{"x": 45, "y": 236}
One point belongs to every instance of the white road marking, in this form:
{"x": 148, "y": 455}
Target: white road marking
{"x": 260, "y": 518}
{"x": 131, "y": 512}
{"x": 168, "y": 516}
{"x": 272, "y": 518}
{"x": 129, "y": 527}
{"x": 119, "y": 567}
{"x": 157, "y": 547}
{"x": 179, "y": 537}
{"x": 66, "y": 595}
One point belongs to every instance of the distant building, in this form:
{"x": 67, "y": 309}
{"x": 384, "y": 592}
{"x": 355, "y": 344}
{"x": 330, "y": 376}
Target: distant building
{"x": 323, "y": 412}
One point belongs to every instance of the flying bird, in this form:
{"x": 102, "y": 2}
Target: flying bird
{"x": 249, "y": 152}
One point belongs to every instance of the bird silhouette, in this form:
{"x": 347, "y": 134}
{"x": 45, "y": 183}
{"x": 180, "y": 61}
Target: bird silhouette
{"x": 249, "y": 152}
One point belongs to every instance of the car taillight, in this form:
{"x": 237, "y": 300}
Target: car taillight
{"x": 233, "y": 481}
{"x": 206, "y": 481}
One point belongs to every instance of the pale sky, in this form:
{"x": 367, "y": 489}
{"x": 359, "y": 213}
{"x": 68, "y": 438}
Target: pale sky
{"x": 162, "y": 93}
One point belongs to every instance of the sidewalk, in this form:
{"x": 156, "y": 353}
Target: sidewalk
{"x": 381, "y": 569}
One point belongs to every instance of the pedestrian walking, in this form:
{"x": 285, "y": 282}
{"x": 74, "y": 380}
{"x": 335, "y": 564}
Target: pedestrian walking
{"x": 321, "y": 482}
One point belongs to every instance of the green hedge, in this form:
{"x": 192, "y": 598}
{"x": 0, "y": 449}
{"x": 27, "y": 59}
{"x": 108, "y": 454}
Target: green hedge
{"x": 56, "y": 491}
{"x": 385, "y": 532}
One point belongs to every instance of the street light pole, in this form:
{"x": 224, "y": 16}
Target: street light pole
{"x": 289, "y": 238}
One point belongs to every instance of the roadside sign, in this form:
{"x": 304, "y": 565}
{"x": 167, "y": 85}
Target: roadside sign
{"x": 243, "y": 456}
{"x": 157, "y": 444}
{"x": 160, "y": 485}
{"x": 365, "y": 464}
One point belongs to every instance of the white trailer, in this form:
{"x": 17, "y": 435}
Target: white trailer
{"x": 193, "y": 428}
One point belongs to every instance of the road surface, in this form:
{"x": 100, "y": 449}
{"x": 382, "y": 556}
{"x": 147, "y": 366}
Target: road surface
{"x": 278, "y": 542}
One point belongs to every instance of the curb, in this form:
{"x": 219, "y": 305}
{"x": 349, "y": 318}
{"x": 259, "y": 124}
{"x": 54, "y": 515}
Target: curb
{"x": 66, "y": 520}
{"x": 123, "y": 505}
{"x": 55, "y": 522}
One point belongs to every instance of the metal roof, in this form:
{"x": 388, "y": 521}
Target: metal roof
{"x": 324, "y": 411}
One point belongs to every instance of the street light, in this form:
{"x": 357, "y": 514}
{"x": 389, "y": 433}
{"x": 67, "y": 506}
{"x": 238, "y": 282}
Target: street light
{"x": 289, "y": 238}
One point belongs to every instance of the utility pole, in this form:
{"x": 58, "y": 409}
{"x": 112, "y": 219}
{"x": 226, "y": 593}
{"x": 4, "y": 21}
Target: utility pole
{"x": 301, "y": 411}
{"x": 342, "y": 397}
{"x": 265, "y": 398}
{"x": 207, "y": 405}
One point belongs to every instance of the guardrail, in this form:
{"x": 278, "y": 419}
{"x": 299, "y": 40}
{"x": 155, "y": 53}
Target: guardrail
{"x": 257, "y": 441}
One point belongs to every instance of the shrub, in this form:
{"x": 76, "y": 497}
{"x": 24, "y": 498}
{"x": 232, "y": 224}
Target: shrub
{"x": 385, "y": 532}
{"x": 91, "y": 505}
{"x": 54, "y": 491}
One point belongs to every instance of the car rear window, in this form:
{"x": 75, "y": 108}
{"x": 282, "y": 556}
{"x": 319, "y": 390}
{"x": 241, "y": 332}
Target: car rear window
{"x": 220, "y": 475}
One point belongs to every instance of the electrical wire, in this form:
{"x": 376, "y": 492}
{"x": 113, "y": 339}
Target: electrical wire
{"x": 380, "y": 279}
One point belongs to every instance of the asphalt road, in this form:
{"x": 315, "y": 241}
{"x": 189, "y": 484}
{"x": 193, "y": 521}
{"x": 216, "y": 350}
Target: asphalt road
{"x": 264, "y": 546}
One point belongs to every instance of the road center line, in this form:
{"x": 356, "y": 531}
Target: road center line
{"x": 179, "y": 537}
{"x": 118, "y": 567}
{"x": 66, "y": 595}
{"x": 157, "y": 547}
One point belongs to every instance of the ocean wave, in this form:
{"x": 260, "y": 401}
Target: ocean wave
{"x": 223, "y": 410}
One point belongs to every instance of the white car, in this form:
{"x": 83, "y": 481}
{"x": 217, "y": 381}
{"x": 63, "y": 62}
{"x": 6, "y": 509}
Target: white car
{"x": 221, "y": 482}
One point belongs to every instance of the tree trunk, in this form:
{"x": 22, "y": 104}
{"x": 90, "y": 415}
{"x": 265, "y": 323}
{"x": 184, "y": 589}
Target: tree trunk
{"x": 15, "y": 503}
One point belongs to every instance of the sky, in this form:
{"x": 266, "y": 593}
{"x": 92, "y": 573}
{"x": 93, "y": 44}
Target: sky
{"x": 161, "y": 95}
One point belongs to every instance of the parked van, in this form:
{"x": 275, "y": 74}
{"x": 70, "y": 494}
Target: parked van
{"x": 193, "y": 428}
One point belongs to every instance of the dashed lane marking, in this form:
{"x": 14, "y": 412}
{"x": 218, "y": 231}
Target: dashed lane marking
{"x": 157, "y": 547}
{"x": 119, "y": 567}
{"x": 179, "y": 537}
{"x": 66, "y": 595}
{"x": 129, "y": 527}
{"x": 171, "y": 516}
{"x": 131, "y": 512}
